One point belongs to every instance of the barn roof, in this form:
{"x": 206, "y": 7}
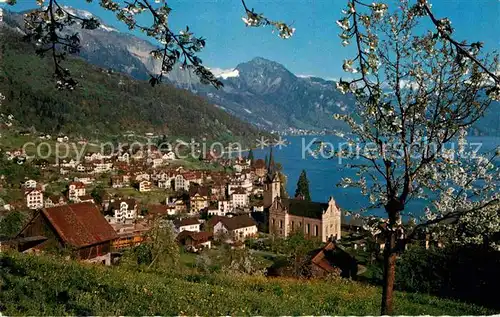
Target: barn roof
{"x": 80, "y": 225}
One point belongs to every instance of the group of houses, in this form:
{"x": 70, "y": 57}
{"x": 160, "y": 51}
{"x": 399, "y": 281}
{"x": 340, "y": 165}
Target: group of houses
{"x": 205, "y": 205}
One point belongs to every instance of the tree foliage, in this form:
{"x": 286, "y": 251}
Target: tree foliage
{"x": 416, "y": 93}
{"x": 11, "y": 224}
{"x": 465, "y": 272}
{"x": 303, "y": 187}
{"x": 250, "y": 156}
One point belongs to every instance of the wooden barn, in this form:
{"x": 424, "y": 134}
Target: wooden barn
{"x": 79, "y": 229}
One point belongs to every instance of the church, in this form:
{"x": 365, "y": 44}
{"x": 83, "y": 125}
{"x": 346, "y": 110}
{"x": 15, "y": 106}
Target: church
{"x": 316, "y": 220}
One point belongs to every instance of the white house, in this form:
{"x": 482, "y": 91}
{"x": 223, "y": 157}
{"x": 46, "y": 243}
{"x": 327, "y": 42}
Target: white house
{"x": 181, "y": 183}
{"x": 30, "y": 183}
{"x": 144, "y": 186}
{"x": 239, "y": 198}
{"x": 55, "y": 200}
{"x": 223, "y": 207}
{"x": 166, "y": 184}
{"x": 237, "y": 167}
{"x": 75, "y": 190}
{"x": 62, "y": 139}
{"x": 237, "y": 228}
{"x": 189, "y": 224}
{"x": 34, "y": 198}
{"x": 124, "y": 210}
{"x": 169, "y": 156}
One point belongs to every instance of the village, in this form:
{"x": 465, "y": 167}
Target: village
{"x": 111, "y": 201}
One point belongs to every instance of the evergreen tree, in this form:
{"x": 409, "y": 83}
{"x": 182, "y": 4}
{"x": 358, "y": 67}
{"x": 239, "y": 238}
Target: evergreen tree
{"x": 250, "y": 156}
{"x": 303, "y": 187}
{"x": 98, "y": 194}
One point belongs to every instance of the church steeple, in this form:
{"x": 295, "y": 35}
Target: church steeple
{"x": 275, "y": 187}
{"x": 271, "y": 167}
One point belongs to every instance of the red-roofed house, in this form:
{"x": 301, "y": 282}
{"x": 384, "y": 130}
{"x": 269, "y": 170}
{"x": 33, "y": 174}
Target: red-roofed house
{"x": 79, "y": 228}
{"x": 195, "y": 240}
{"x": 75, "y": 190}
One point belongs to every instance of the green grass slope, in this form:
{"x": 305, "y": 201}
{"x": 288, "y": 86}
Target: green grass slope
{"x": 41, "y": 285}
{"x": 106, "y": 103}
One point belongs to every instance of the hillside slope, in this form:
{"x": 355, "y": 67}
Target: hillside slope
{"x": 41, "y": 285}
{"x": 105, "y": 103}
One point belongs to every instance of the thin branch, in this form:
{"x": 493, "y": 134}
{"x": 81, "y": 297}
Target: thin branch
{"x": 458, "y": 45}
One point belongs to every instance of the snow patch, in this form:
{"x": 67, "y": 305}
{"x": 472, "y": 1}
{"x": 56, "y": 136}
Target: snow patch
{"x": 247, "y": 110}
{"x": 304, "y": 76}
{"x": 266, "y": 121}
{"x": 107, "y": 28}
{"x": 79, "y": 13}
{"x": 224, "y": 73}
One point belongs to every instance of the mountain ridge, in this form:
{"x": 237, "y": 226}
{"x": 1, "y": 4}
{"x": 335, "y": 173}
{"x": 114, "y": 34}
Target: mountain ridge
{"x": 106, "y": 103}
{"x": 260, "y": 91}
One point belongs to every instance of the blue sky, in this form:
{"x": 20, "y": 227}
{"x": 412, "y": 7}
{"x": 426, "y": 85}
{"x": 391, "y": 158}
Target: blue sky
{"x": 314, "y": 49}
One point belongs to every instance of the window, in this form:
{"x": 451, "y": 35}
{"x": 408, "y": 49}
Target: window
{"x": 293, "y": 225}
{"x": 281, "y": 224}
{"x": 308, "y": 230}
{"x": 316, "y": 230}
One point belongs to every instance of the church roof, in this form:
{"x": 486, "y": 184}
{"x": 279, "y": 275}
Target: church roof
{"x": 303, "y": 208}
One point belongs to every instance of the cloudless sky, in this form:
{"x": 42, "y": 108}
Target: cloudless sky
{"x": 314, "y": 49}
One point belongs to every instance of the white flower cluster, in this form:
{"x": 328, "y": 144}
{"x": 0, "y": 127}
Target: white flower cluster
{"x": 285, "y": 32}
{"x": 251, "y": 20}
{"x": 378, "y": 10}
{"x": 344, "y": 24}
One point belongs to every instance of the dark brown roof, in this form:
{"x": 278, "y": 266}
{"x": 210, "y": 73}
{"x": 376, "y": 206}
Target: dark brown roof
{"x": 198, "y": 237}
{"x": 158, "y": 209}
{"x": 322, "y": 260}
{"x": 57, "y": 198}
{"x": 130, "y": 202}
{"x": 237, "y": 222}
{"x": 80, "y": 225}
{"x": 260, "y": 164}
{"x": 239, "y": 190}
{"x": 303, "y": 208}
{"x": 201, "y": 190}
{"x": 78, "y": 184}
{"x": 214, "y": 220}
{"x": 186, "y": 222}
{"x": 86, "y": 198}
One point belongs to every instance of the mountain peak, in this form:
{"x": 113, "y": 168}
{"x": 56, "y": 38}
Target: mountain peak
{"x": 264, "y": 67}
{"x": 84, "y": 14}
{"x": 259, "y": 60}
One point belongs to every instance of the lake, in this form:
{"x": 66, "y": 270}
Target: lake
{"x": 324, "y": 174}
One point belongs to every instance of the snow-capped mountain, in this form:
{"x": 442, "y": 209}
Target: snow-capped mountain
{"x": 259, "y": 91}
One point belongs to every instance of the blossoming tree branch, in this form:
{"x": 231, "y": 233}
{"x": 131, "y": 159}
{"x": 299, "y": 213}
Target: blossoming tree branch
{"x": 415, "y": 94}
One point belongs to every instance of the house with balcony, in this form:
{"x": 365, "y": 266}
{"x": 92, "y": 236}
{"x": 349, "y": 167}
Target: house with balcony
{"x": 34, "y": 198}
{"x": 123, "y": 211}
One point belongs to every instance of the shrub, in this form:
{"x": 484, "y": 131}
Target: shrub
{"x": 465, "y": 272}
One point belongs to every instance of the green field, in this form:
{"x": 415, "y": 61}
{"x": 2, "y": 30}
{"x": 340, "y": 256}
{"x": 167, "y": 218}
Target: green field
{"x": 43, "y": 285}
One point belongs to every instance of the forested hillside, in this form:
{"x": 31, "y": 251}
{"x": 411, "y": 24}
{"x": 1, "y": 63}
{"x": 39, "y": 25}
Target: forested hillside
{"x": 105, "y": 102}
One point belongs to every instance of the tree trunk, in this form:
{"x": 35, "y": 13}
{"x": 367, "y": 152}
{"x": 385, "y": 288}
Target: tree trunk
{"x": 389, "y": 273}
